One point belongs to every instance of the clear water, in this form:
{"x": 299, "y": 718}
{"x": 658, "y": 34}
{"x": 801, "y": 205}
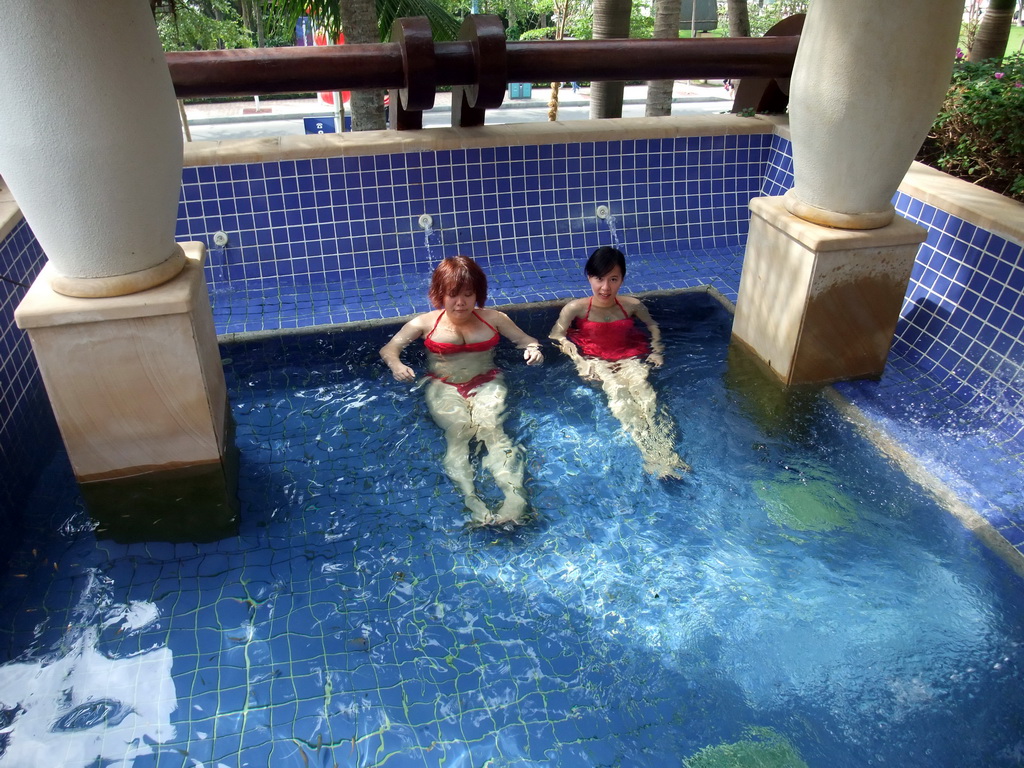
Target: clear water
{"x": 796, "y": 602}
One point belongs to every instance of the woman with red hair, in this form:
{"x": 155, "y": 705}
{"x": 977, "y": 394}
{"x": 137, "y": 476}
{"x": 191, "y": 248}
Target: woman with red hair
{"x": 465, "y": 392}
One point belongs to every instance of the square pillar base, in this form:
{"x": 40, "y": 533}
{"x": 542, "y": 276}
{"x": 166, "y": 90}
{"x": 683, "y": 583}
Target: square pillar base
{"x": 819, "y": 305}
{"x": 138, "y": 391}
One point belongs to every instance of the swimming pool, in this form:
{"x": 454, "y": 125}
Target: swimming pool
{"x": 796, "y": 602}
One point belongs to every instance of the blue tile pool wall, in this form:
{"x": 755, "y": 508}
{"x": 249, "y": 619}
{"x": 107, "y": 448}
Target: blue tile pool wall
{"x": 355, "y": 221}
{"x": 962, "y": 320}
{"x": 28, "y": 433}
{"x": 963, "y": 317}
{"x": 778, "y": 172}
{"x": 352, "y": 222}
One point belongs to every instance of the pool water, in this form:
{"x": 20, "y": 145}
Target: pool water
{"x": 796, "y": 602}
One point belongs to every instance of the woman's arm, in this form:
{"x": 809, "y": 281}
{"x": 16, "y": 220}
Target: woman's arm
{"x": 391, "y": 352}
{"x": 657, "y": 355}
{"x": 561, "y": 327}
{"x": 503, "y": 323}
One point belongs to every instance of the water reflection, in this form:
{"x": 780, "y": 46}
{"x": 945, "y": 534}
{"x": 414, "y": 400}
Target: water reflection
{"x": 83, "y": 704}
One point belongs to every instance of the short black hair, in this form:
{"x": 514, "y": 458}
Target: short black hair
{"x": 604, "y": 260}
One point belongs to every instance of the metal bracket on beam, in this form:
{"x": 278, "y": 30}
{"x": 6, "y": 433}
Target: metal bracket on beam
{"x": 419, "y": 64}
{"x": 486, "y": 36}
{"x": 768, "y": 94}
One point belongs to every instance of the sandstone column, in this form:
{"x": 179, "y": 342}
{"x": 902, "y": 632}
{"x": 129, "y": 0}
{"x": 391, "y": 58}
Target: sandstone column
{"x": 119, "y": 319}
{"x": 827, "y": 265}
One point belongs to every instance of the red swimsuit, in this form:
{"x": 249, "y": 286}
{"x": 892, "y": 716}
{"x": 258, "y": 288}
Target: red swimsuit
{"x": 464, "y": 388}
{"x": 615, "y": 340}
{"x": 444, "y": 348}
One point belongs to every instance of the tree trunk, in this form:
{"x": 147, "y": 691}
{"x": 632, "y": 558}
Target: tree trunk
{"x": 739, "y": 19}
{"x": 261, "y": 37}
{"x": 994, "y": 31}
{"x": 359, "y": 23}
{"x": 611, "y": 20}
{"x": 666, "y": 26}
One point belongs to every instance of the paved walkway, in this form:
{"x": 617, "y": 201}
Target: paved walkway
{"x": 263, "y": 109}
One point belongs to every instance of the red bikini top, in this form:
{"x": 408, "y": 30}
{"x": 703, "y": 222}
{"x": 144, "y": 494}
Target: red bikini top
{"x": 614, "y": 340}
{"x": 444, "y": 348}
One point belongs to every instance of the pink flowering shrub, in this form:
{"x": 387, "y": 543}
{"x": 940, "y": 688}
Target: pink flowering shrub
{"x": 978, "y": 134}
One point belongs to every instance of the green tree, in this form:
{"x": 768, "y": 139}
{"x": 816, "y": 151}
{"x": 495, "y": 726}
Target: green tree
{"x": 201, "y": 25}
{"x": 328, "y": 14}
{"x": 766, "y": 14}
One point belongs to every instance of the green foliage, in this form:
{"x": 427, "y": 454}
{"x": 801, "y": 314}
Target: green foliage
{"x": 189, "y": 28}
{"x": 766, "y": 14}
{"x": 544, "y": 33}
{"x": 641, "y": 20}
{"x": 325, "y": 13}
{"x": 978, "y": 134}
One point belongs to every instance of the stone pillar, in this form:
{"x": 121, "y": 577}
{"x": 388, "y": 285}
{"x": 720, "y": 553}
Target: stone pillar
{"x": 818, "y": 303}
{"x": 92, "y": 146}
{"x": 138, "y": 390}
{"x": 868, "y": 78}
{"x": 119, "y": 319}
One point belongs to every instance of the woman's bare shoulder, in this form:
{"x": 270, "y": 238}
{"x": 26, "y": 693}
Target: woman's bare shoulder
{"x": 491, "y": 315}
{"x": 575, "y": 306}
{"x": 631, "y": 304}
{"x": 423, "y": 322}
{"x": 431, "y": 317}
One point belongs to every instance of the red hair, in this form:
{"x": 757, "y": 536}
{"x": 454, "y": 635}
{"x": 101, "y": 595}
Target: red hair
{"x": 455, "y": 275}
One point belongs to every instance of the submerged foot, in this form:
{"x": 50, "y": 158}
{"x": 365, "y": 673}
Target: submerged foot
{"x": 667, "y": 468}
{"x": 512, "y": 510}
{"x": 478, "y": 511}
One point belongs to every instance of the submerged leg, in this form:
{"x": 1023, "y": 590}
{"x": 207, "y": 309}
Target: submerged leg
{"x": 504, "y": 459}
{"x": 632, "y": 401}
{"x": 452, "y": 414}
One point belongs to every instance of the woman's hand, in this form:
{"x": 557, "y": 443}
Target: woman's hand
{"x": 587, "y": 369}
{"x": 569, "y": 349}
{"x": 532, "y": 354}
{"x": 403, "y": 372}
{"x": 656, "y": 359}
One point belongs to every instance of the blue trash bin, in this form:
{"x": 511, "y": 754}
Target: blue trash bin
{"x": 520, "y": 90}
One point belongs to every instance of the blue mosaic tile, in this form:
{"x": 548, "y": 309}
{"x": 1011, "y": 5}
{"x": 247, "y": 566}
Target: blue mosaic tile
{"x": 337, "y": 240}
{"x": 28, "y": 433}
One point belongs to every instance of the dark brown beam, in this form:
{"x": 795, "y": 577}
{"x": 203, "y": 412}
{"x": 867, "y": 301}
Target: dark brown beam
{"x": 684, "y": 59}
{"x": 301, "y": 69}
{"x": 245, "y": 72}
